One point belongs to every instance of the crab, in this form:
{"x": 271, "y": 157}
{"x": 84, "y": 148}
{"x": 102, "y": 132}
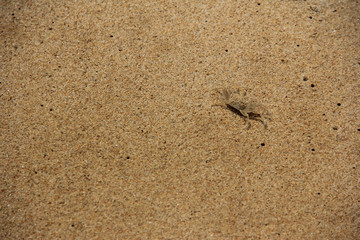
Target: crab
{"x": 244, "y": 107}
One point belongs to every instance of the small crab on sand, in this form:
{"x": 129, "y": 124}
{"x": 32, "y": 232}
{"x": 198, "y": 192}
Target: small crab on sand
{"x": 244, "y": 107}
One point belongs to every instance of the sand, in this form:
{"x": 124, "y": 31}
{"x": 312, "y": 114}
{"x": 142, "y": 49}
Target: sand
{"x": 108, "y": 129}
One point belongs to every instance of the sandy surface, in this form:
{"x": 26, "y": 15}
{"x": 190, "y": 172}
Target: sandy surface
{"x": 108, "y": 129}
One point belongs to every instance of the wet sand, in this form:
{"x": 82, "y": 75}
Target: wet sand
{"x": 109, "y": 130}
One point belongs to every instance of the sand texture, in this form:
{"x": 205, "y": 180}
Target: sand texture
{"x": 111, "y": 129}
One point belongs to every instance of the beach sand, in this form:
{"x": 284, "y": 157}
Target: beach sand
{"x": 108, "y": 129}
